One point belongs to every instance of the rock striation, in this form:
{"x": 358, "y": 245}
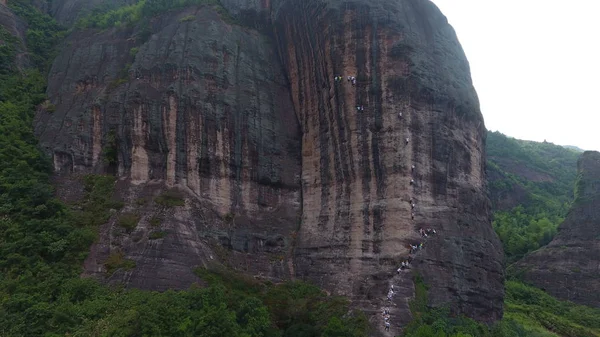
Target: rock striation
{"x": 357, "y": 165}
{"x": 200, "y": 105}
{"x": 286, "y": 171}
{"x": 569, "y": 266}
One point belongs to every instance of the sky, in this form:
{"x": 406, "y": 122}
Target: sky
{"x": 535, "y": 65}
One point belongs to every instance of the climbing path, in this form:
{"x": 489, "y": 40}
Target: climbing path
{"x": 394, "y": 306}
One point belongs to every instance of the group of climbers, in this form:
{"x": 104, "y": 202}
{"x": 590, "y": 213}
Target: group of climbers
{"x": 426, "y": 232}
{"x": 404, "y": 265}
{"x": 351, "y": 79}
{"x": 386, "y": 318}
{"x": 414, "y": 248}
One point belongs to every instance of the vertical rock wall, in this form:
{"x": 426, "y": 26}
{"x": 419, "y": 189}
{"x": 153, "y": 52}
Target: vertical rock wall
{"x": 356, "y": 177}
{"x": 200, "y": 105}
{"x": 204, "y": 106}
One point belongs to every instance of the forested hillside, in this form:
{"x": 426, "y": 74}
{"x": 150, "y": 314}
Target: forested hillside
{"x": 43, "y": 241}
{"x": 531, "y": 187}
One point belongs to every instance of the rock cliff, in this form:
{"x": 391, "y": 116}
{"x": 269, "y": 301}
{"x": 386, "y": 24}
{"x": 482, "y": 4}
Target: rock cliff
{"x": 283, "y": 176}
{"x": 357, "y": 172}
{"x": 201, "y": 105}
{"x": 569, "y": 267}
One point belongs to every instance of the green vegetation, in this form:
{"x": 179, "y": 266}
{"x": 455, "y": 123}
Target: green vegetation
{"x": 43, "y": 242}
{"x": 544, "y": 175}
{"x": 170, "y": 198}
{"x": 155, "y": 221}
{"x": 133, "y": 51}
{"x": 118, "y": 261}
{"x": 43, "y": 33}
{"x": 296, "y": 308}
{"x": 129, "y": 221}
{"x": 540, "y": 313}
{"x": 8, "y": 45}
{"x": 129, "y": 15}
{"x": 440, "y": 323}
{"x": 157, "y": 235}
{"x": 187, "y": 18}
{"x": 110, "y": 151}
{"x": 529, "y": 312}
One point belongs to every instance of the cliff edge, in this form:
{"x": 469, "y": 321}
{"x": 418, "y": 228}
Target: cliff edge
{"x": 569, "y": 267}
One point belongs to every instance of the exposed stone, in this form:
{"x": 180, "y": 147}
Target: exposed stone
{"x": 569, "y": 266}
{"x": 356, "y": 224}
{"x": 204, "y": 107}
{"x": 213, "y": 110}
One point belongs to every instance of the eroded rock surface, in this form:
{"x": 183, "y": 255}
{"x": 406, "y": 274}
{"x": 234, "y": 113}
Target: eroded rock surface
{"x": 356, "y": 223}
{"x": 202, "y": 106}
{"x": 251, "y": 126}
{"x": 569, "y": 266}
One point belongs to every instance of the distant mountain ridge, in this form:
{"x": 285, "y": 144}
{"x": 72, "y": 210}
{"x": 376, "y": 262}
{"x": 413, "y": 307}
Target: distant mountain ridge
{"x": 573, "y": 147}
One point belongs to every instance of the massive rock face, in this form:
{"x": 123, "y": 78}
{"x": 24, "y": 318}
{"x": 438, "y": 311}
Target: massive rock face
{"x": 252, "y": 127}
{"x": 569, "y": 267}
{"x": 202, "y": 106}
{"x": 356, "y": 223}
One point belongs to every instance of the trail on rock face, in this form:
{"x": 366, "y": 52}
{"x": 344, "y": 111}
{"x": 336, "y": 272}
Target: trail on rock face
{"x": 356, "y": 160}
{"x": 287, "y": 169}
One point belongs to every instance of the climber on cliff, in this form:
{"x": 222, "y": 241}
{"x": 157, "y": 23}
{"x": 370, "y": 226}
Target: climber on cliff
{"x": 421, "y": 231}
{"x": 412, "y": 181}
{"x": 412, "y": 215}
{"x": 421, "y": 245}
{"x": 400, "y": 115}
{"x": 412, "y": 205}
{"x": 387, "y": 326}
{"x": 412, "y": 168}
{"x": 353, "y": 81}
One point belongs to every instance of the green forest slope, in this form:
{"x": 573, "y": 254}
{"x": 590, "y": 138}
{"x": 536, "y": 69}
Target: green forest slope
{"x": 531, "y": 188}
{"x": 43, "y": 241}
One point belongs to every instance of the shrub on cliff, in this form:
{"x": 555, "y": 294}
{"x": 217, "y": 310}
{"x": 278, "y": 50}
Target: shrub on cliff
{"x": 104, "y": 18}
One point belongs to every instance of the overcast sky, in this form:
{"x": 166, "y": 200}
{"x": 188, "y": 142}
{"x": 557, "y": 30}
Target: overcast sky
{"x": 535, "y": 65}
